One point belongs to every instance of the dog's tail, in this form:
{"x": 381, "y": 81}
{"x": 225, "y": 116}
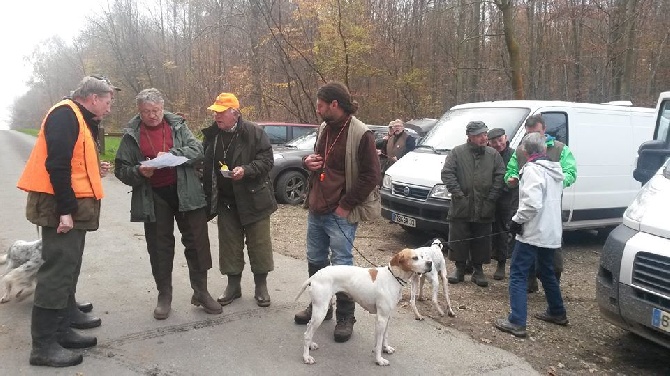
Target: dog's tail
{"x": 3, "y": 259}
{"x": 303, "y": 288}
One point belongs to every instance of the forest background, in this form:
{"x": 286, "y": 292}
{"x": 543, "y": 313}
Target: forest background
{"x": 400, "y": 59}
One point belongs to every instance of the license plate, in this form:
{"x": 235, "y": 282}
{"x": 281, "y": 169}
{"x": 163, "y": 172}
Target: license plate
{"x": 403, "y": 219}
{"x": 660, "y": 319}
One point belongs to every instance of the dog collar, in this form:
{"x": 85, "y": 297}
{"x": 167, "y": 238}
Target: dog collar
{"x": 400, "y": 280}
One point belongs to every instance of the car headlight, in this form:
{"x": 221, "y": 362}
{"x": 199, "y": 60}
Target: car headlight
{"x": 278, "y": 156}
{"x": 440, "y": 191}
{"x": 644, "y": 198}
{"x": 387, "y": 182}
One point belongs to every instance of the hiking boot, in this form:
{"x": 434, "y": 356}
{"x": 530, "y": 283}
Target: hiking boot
{"x": 233, "y": 290}
{"x": 506, "y": 326}
{"x": 499, "y": 274}
{"x": 558, "y": 320}
{"x": 344, "y": 328}
{"x": 458, "y": 274}
{"x": 478, "y": 276}
{"x": 303, "y": 317}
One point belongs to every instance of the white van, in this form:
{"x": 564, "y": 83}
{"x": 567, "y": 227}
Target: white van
{"x": 604, "y": 139}
{"x": 633, "y": 282}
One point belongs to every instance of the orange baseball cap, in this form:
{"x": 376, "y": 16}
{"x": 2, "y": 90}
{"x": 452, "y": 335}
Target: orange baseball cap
{"x": 225, "y": 101}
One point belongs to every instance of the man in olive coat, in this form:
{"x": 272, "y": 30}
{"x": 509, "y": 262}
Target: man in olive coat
{"x": 473, "y": 173}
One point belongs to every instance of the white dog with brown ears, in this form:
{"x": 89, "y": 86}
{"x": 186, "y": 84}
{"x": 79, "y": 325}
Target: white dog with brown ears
{"x": 23, "y": 260}
{"x": 377, "y": 290}
{"x": 437, "y": 273}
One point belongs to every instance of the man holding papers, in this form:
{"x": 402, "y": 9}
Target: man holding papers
{"x": 153, "y": 158}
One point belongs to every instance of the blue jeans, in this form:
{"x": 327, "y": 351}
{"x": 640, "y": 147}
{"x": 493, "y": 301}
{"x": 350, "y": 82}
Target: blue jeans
{"x": 523, "y": 257}
{"x": 330, "y": 235}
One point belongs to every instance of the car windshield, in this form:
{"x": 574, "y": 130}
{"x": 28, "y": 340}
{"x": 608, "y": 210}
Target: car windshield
{"x": 305, "y": 141}
{"x": 449, "y": 131}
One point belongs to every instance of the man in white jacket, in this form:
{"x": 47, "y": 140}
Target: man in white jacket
{"x": 537, "y": 225}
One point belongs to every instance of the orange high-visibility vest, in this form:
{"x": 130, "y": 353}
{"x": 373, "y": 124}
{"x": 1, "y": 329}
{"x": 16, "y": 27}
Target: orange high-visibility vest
{"x": 86, "y": 181}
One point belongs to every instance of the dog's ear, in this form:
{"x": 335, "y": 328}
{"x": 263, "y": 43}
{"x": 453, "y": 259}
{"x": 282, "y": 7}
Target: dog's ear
{"x": 439, "y": 242}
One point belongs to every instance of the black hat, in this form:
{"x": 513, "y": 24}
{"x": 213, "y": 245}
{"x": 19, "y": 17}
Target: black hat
{"x": 495, "y": 133}
{"x": 475, "y": 127}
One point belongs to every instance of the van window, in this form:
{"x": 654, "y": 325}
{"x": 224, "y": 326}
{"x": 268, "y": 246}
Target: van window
{"x": 449, "y": 131}
{"x": 663, "y": 122}
{"x": 557, "y": 125}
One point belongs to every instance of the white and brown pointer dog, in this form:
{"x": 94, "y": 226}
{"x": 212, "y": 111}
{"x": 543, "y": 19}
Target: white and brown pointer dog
{"x": 377, "y": 290}
{"x": 23, "y": 260}
{"x": 437, "y": 273}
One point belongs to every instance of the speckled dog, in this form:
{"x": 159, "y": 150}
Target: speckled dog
{"x": 377, "y": 290}
{"x": 23, "y": 260}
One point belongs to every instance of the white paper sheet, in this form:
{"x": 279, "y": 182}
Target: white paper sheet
{"x": 165, "y": 160}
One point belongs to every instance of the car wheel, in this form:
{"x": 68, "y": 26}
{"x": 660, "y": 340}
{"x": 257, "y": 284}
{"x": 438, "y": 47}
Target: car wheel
{"x": 291, "y": 188}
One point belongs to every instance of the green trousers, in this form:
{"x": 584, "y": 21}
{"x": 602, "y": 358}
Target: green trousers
{"x": 232, "y": 236}
{"x": 58, "y": 276}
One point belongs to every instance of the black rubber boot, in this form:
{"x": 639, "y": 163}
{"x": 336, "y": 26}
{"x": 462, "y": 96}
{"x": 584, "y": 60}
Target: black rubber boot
{"x": 201, "y": 296}
{"x": 233, "y": 290}
{"x": 303, "y": 317}
{"x": 46, "y": 351}
{"x": 478, "y": 276}
{"x": 261, "y": 294}
{"x": 67, "y": 337}
{"x": 499, "y": 274}
{"x": 164, "y": 301}
{"x": 85, "y": 307}
{"x": 345, "y": 317}
{"x": 79, "y": 319}
{"x": 458, "y": 275}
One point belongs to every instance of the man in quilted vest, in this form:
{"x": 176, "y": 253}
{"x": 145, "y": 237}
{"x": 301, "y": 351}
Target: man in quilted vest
{"x": 344, "y": 173}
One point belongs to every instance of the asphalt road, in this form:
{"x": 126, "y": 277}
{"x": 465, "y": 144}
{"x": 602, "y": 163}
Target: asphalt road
{"x": 244, "y": 340}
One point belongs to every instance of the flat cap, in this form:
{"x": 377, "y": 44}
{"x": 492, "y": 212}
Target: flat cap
{"x": 495, "y": 133}
{"x": 475, "y": 127}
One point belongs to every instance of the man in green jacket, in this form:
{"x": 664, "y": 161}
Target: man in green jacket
{"x": 556, "y": 152}
{"x": 472, "y": 173}
{"x": 162, "y": 196}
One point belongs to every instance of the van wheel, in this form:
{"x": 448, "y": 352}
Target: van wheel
{"x": 291, "y": 188}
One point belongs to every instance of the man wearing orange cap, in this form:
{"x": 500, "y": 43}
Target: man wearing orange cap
{"x": 238, "y": 159}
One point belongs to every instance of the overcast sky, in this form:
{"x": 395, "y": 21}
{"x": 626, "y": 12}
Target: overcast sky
{"x": 23, "y": 25}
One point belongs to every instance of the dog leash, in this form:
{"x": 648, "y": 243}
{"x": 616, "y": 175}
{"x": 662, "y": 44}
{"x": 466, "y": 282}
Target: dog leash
{"x": 401, "y": 281}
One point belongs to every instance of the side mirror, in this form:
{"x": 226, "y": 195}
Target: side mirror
{"x": 650, "y": 157}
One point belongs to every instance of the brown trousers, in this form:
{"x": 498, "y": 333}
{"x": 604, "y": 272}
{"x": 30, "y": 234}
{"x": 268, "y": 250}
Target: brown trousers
{"x": 161, "y": 241}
